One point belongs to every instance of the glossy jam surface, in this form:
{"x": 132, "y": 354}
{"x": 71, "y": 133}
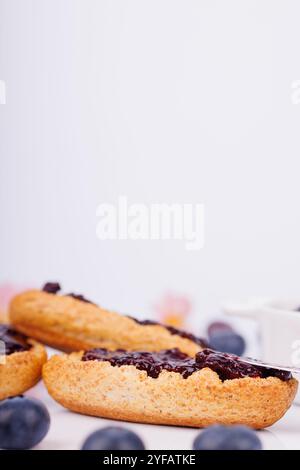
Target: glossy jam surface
{"x": 14, "y": 341}
{"x": 175, "y": 331}
{"x": 226, "y": 366}
{"x": 153, "y": 363}
{"x": 229, "y": 366}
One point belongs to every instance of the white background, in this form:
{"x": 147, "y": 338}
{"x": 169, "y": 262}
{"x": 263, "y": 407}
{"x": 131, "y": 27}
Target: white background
{"x": 161, "y": 101}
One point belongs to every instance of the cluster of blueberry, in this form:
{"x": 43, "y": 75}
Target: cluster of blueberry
{"x": 223, "y": 338}
{"x": 25, "y": 421}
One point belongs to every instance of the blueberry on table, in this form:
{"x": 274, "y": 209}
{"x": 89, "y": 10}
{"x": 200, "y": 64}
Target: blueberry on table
{"x": 219, "y": 437}
{"x": 228, "y": 342}
{"x": 218, "y": 326}
{"x": 24, "y": 422}
{"x": 113, "y": 438}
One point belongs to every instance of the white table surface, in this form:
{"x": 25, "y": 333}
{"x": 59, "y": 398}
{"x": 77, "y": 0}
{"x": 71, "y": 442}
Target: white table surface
{"x": 68, "y": 430}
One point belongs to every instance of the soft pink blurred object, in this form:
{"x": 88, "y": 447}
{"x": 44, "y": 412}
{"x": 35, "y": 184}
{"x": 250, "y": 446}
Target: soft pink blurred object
{"x": 173, "y": 309}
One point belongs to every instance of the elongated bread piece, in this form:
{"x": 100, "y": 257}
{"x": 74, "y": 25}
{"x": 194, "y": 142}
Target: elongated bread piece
{"x": 21, "y": 370}
{"x": 126, "y": 393}
{"x": 70, "y": 324}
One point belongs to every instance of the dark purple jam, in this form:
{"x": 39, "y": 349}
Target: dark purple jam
{"x": 184, "y": 334}
{"x": 54, "y": 288}
{"x": 227, "y": 366}
{"x": 14, "y": 341}
{"x": 51, "y": 287}
{"x": 153, "y": 363}
{"x": 175, "y": 331}
{"x": 79, "y": 297}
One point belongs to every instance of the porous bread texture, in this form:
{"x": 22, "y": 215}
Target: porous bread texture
{"x": 125, "y": 393}
{"x": 22, "y": 370}
{"x": 71, "y": 325}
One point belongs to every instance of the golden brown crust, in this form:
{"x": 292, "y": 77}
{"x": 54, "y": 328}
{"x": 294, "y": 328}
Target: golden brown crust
{"x": 125, "y": 393}
{"x": 3, "y": 317}
{"x": 71, "y": 325}
{"x": 22, "y": 370}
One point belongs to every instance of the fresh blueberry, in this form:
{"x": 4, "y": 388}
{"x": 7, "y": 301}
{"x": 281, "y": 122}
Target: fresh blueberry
{"x": 218, "y": 326}
{"x": 113, "y": 438}
{"x": 228, "y": 342}
{"x": 227, "y": 438}
{"x": 24, "y": 422}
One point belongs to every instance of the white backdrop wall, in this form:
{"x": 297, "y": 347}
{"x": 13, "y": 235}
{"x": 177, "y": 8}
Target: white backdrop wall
{"x": 161, "y": 101}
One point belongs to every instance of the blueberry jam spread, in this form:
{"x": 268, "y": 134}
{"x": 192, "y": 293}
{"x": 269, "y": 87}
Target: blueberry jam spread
{"x": 227, "y": 366}
{"x": 13, "y": 341}
{"x": 54, "y": 288}
{"x": 153, "y": 363}
{"x": 79, "y": 297}
{"x": 174, "y": 331}
{"x": 51, "y": 287}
